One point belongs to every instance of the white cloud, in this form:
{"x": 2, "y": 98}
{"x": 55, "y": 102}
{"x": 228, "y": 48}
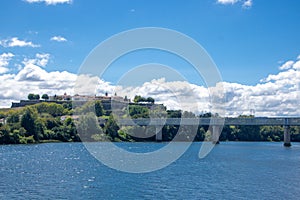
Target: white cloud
{"x": 41, "y": 59}
{"x": 15, "y": 42}
{"x": 58, "y": 39}
{"x": 277, "y": 95}
{"x": 91, "y": 85}
{"x": 33, "y": 79}
{"x": 245, "y": 3}
{"x": 175, "y": 95}
{"x": 4, "y": 62}
{"x": 286, "y": 65}
{"x": 50, "y": 2}
{"x": 227, "y": 1}
{"x": 3, "y": 70}
{"x": 296, "y": 65}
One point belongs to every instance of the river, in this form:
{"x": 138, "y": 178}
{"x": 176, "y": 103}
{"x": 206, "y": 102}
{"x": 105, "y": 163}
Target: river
{"x": 233, "y": 170}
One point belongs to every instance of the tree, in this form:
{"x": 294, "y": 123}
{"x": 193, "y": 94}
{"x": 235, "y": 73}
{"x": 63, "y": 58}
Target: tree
{"x": 67, "y": 105}
{"x": 4, "y": 135}
{"x": 158, "y": 111}
{"x": 206, "y": 115}
{"x": 37, "y": 97}
{"x": 200, "y": 134}
{"x": 98, "y": 108}
{"x": 111, "y": 127}
{"x": 33, "y": 96}
{"x": 150, "y": 100}
{"x": 271, "y": 133}
{"x": 30, "y": 96}
{"x": 39, "y": 130}
{"x": 91, "y": 106}
{"x": 87, "y": 126}
{"x": 174, "y": 113}
{"x": 28, "y": 122}
{"x": 45, "y": 96}
{"x": 248, "y": 133}
{"x": 138, "y": 111}
{"x": 187, "y": 114}
{"x": 53, "y": 109}
{"x": 139, "y": 98}
{"x": 13, "y": 117}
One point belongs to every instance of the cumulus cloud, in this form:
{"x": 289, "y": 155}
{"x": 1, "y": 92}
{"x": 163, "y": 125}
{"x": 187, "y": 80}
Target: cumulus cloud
{"x": 276, "y": 95}
{"x": 41, "y": 59}
{"x": 58, "y": 39}
{"x": 92, "y": 85}
{"x": 50, "y": 2}
{"x": 16, "y": 42}
{"x": 4, "y": 62}
{"x": 179, "y": 95}
{"x": 34, "y": 79}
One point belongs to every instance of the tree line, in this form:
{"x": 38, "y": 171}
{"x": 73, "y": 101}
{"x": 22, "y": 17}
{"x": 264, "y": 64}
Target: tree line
{"x": 46, "y": 122}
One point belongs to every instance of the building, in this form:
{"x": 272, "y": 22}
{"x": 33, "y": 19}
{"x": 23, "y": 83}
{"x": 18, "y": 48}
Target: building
{"x": 77, "y": 100}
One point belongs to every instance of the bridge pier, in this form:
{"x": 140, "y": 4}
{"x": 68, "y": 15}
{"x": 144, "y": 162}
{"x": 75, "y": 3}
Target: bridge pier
{"x": 216, "y": 132}
{"x": 158, "y": 131}
{"x": 286, "y": 136}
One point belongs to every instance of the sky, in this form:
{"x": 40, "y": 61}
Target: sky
{"x": 254, "y": 44}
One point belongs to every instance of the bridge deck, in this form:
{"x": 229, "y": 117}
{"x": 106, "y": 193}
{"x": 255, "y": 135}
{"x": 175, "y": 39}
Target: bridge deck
{"x": 211, "y": 121}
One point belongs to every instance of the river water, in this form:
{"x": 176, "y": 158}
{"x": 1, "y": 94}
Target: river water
{"x": 233, "y": 170}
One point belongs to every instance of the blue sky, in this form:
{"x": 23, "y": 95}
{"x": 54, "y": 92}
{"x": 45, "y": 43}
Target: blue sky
{"x": 246, "y": 43}
{"x": 247, "y": 39}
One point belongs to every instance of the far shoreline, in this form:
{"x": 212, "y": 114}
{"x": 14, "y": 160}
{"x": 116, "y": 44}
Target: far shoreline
{"x": 150, "y": 142}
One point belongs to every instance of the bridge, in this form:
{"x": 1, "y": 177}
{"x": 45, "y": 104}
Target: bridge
{"x": 216, "y": 124}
